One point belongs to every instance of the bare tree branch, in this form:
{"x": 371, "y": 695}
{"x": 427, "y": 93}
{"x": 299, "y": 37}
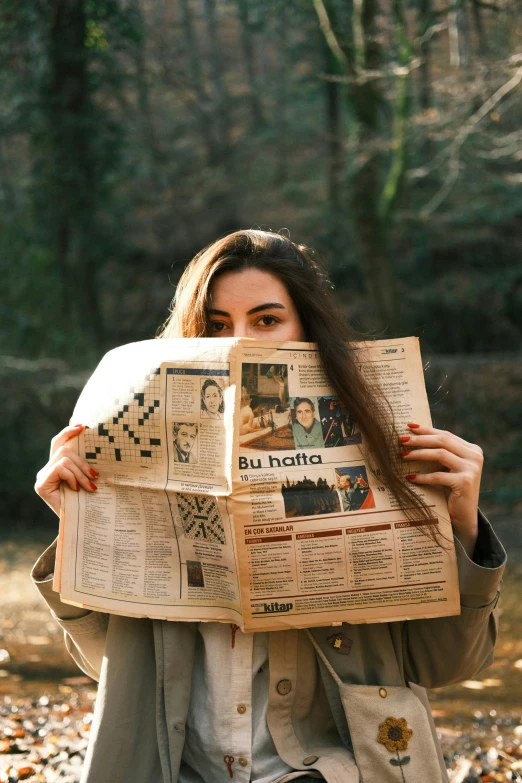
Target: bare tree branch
{"x": 429, "y": 168}
{"x": 488, "y": 6}
{"x": 362, "y": 77}
{"x": 456, "y": 6}
{"x": 509, "y": 138}
{"x": 430, "y": 32}
{"x": 513, "y": 150}
{"x": 331, "y": 38}
{"x": 467, "y": 129}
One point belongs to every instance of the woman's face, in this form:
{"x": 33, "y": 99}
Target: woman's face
{"x": 212, "y": 399}
{"x": 253, "y": 303}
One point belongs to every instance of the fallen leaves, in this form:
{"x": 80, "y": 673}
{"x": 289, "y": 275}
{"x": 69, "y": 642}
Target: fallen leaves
{"x": 43, "y": 739}
{"x": 480, "y": 685}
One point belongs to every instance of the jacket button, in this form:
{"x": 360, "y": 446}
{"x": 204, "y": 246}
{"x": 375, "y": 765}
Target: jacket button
{"x": 283, "y": 687}
{"x": 383, "y": 693}
{"x": 309, "y": 760}
{"x": 241, "y": 709}
{"x": 243, "y": 761}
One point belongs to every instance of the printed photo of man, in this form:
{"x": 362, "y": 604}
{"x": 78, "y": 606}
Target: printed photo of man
{"x": 185, "y": 436}
{"x": 306, "y": 429}
{"x": 355, "y": 492}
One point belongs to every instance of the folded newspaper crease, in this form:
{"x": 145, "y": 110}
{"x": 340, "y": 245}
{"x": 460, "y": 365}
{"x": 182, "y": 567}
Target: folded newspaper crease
{"x": 233, "y": 487}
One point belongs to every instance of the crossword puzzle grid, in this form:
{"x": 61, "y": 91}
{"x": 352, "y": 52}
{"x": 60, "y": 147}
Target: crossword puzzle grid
{"x": 132, "y": 432}
{"x": 201, "y": 518}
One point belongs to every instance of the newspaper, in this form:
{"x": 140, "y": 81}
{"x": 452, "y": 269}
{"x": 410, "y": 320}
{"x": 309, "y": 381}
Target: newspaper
{"x": 233, "y": 487}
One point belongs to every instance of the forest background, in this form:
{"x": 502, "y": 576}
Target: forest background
{"x": 383, "y": 133}
{"x": 386, "y": 134}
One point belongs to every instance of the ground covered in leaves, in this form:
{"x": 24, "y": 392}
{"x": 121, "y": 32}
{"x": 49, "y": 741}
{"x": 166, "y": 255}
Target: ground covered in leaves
{"x": 46, "y": 704}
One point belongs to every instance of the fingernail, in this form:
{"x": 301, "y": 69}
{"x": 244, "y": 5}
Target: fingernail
{"x": 413, "y": 426}
{"x": 77, "y": 487}
{"x": 405, "y": 453}
{"x": 404, "y": 438}
{"x": 93, "y": 473}
{"x": 411, "y": 476}
{"x": 78, "y": 426}
{"x": 92, "y": 486}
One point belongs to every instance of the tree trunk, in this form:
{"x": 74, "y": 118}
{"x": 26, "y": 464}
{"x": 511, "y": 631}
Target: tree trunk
{"x": 482, "y": 41}
{"x": 201, "y": 104}
{"x": 146, "y": 115}
{"x": 247, "y": 44}
{"x": 453, "y": 36}
{"x": 465, "y": 46}
{"x": 425, "y": 20}
{"x": 458, "y": 36}
{"x": 72, "y": 180}
{"x": 221, "y": 98}
{"x": 367, "y": 105}
{"x": 395, "y": 176}
{"x": 366, "y": 192}
{"x": 280, "y": 119}
{"x": 333, "y": 135}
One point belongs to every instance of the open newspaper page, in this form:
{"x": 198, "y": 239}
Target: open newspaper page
{"x": 233, "y": 487}
{"x": 319, "y": 538}
{"x": 156, "y": 539}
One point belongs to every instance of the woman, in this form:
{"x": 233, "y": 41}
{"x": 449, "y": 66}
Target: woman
{"x": 282, "y": 382}
{"x": 202, "y": 702}
{"x": 212, "y": 403}
{"x": 246, "y": 415}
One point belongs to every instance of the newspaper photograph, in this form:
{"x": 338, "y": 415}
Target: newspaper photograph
{"x": 234, "y": 487}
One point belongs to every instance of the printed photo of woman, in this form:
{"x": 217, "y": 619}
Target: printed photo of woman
{"x": 212, "y": 402}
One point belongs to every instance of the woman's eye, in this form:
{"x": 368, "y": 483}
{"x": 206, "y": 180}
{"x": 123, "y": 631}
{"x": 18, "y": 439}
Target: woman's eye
{"x": 268, "y": 320}
{"x": 217, "y": 326}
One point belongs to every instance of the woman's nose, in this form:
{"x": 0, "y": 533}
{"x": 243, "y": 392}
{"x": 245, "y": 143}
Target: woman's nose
{"x": 239, "y": 329}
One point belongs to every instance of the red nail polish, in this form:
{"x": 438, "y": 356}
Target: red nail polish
{"x": 411, "y": 476}
{"x": 413, "y": 426}
{"x": 77, "y": 426}
{"x": 93, "y": 473}
{"x": 92, "y": 486}
{"x": 77, "y": 487}
{"x": 404, "y": 438}
{"x": 405, "y": 453}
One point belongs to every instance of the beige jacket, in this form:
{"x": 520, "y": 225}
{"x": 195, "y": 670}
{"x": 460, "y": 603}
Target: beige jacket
{"x": 144, "y": 669}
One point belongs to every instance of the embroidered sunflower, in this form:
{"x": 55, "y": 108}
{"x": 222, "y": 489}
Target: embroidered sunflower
{"x": 394, "y": 734}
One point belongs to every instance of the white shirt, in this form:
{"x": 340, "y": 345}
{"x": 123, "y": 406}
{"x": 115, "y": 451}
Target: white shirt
{"x": 226, "y": 729}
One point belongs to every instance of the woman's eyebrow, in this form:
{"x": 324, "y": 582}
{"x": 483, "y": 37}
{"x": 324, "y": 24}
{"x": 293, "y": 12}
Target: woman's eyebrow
{"x": 267, "y": 306}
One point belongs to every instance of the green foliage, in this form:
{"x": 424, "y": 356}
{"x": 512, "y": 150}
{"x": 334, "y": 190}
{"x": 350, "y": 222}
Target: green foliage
{"x": 37, "y": 400}
{"x": 480, "y": 401}
{"x": 122, "y": 153}
{"x": 107, "y": 178}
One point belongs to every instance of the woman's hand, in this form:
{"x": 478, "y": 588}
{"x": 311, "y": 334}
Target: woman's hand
{"x": 64, "y": 465}
{"x": 462, "y": 467}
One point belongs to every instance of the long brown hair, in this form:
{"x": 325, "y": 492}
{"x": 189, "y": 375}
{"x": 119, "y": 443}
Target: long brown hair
{"x": 307, "y": 283}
